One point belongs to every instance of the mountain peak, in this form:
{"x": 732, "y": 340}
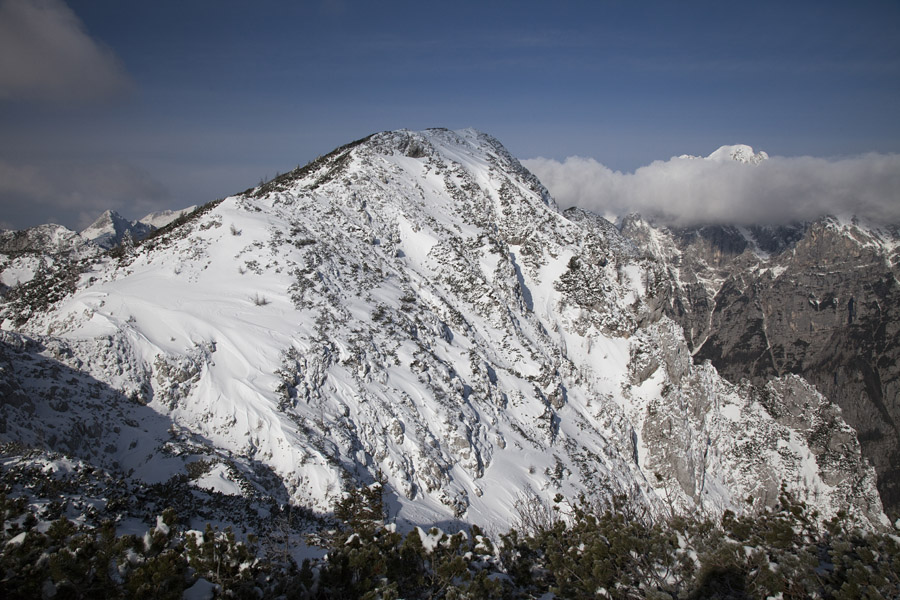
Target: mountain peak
{"x": 110, "y": 229}
{"x": 106, "y": 218}
{"x": 468, "y": 167}
{"x": 741, "y": 153}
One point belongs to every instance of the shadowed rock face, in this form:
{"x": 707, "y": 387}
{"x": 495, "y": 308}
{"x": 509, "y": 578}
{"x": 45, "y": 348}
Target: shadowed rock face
{"x": 825, "y": 306}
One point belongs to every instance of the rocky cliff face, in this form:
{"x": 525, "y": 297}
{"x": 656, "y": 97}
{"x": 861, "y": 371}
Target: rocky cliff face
{"x": 819, "y": 300}
{"x": 415, "y": 304}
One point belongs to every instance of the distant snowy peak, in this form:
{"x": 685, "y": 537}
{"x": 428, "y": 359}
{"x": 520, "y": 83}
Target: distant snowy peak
{"x": 739, "y": 153}
{"x": 110, "y": 229}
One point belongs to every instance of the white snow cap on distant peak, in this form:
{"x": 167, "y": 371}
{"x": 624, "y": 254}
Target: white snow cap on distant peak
{"x": 740, "y": 153}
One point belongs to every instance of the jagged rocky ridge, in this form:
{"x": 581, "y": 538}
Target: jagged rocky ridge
{"x": 112, "y": 229}
{"x": 413, "y": 303}
{"x": 818, "y": 299}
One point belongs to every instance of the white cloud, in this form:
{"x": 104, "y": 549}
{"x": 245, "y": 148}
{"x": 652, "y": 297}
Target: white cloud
{"x": 74, "y": 195}
{"x": 45, "y": 54}
{"x": 691, "y": 191}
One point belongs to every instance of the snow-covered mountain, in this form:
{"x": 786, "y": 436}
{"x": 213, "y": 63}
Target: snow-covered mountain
{"x": 110, "y": 229}
{"x": 412, "y": 304}
{"x": 741, "y": 153}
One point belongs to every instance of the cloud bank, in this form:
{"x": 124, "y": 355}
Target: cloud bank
{"x": 686, "y": 191}
{"x": 45, "y": 54}
{"x": 73, "y": 194}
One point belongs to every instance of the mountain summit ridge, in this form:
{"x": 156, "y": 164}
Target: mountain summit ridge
{"x": 414, "y": 304}
{"x": 741, "y": 153}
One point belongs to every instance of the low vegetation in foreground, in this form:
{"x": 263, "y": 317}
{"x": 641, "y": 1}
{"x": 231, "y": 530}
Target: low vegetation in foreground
{"x": 564, "y": 551}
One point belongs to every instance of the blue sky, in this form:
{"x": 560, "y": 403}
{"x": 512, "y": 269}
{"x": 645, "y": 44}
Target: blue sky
{"x": 139, "y": 106}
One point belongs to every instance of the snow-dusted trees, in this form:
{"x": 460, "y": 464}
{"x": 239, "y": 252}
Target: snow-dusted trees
{"x": 783, "y": 552}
